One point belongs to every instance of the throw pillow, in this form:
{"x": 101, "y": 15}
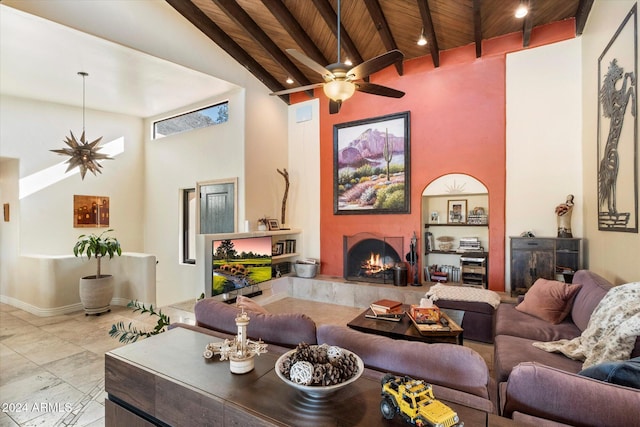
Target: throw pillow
{"x": 250, "y": 305}
{"x": 625, "y": 373}
{"x": 549, "y": 300}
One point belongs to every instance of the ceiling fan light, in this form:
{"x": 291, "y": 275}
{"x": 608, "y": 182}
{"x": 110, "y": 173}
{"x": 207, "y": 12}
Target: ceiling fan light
{"x": 422, "y": 41}
{"x": 521, "y": 11}
{"x": 339, "y": 90}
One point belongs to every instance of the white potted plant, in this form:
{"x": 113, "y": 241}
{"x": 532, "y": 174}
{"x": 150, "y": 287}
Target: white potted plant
{"x": 96, "y": 290}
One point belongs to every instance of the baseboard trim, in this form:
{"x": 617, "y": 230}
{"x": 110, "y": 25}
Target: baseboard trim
{"x": 56, "y": 311}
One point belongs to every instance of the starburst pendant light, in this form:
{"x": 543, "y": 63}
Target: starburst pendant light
{"x": 83, "y": 154}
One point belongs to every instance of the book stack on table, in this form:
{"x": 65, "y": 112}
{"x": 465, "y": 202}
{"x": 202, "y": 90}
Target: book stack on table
{"x": 385, "y": 309}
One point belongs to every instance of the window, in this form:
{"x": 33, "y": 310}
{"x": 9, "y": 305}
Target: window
{"x": 204, "y": 117}
{"x": 189, "y": 226}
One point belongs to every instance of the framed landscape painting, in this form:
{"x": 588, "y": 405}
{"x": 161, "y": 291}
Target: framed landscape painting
{"x": 371, "y": 165}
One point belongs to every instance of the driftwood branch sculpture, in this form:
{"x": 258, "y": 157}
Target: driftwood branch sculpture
{"x": 285, "y": 175}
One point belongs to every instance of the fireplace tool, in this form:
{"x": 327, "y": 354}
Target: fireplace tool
{"x": 412, "y": 259}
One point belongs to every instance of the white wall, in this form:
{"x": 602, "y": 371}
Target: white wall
{"x": 304, "y": 172}
{"x": 612, "y": 254}
{"x": 177, "y": 162}
{"x": 255, "y": 138}
{"x": 42, "y": 223}
{"x": 544, "y": 140}
{"x": 29, "y": 130}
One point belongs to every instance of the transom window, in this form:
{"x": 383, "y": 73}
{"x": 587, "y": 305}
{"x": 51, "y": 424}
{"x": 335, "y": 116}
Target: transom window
{"x": 204, "y": 117}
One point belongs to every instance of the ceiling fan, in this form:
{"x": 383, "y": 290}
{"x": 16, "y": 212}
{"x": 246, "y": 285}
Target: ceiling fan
{"x": 341, "y": 80}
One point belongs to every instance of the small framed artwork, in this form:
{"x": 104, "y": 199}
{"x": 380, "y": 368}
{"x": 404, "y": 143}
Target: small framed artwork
{"x": 90, "y": 211}
{"x": 273, "y": 224}
{"x": 278, "y": 248}
{"x": 457, "y": 211}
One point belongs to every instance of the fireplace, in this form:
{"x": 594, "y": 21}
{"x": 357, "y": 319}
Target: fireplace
{"x": 371, "y": 258}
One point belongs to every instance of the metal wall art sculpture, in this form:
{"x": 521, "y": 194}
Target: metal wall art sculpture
{"x": 617, "y": 130}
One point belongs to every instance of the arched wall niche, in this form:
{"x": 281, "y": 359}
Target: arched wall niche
{"x": 454, "y": 183}
{"x": 439, "y": 222}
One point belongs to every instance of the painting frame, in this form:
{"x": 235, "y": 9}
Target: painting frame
{"x": 371, "y": 166}
{"x": 617, "y": 130}
{"x": 90, "y": 211}
{"x": 273, "y": 224}
{"x": 457, "y": 211}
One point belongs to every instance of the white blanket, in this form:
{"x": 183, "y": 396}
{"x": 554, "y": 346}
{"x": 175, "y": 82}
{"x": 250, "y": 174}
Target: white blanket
{"x": 611, "y": 332}
{"x": 463, "y": 293}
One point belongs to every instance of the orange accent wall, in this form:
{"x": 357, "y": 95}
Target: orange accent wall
{"x": 457, "y": 116}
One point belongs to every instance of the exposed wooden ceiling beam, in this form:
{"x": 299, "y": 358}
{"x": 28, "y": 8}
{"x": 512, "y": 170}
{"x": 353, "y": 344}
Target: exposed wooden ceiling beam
{"x": 382, "y": 26}
{"x": 295, "y": 30}
{"x": 201, "y": 21}
{"x": 430, "y": 34}
{"x": 330, "y": 17}
{"x": 242, "y": 18}
{"x": 477, "y": 27}
{"x": 584, "y": 7}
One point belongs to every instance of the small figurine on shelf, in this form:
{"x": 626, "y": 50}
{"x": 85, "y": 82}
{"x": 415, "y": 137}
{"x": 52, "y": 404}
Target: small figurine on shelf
{"x": 564, "y": 211}
{"x": 240, "y": 350}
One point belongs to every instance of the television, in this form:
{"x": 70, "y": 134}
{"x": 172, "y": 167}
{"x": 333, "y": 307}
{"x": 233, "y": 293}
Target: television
{"x": 240, "y": 263}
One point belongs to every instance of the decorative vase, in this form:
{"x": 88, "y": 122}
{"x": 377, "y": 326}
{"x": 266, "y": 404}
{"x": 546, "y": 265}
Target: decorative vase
{"x": 262, "y": 227}
{"x": 96, "y": 294}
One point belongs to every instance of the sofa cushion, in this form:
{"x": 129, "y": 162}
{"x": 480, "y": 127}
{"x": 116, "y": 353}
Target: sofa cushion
{"x": 510, "y": 321}
{"x": 593, "y": 290}
{"x": 549, "y": 300}
{"x": 626, "y": 373}
{"x": 510, "y": 351}
{"x": 449, "y": 365}
{"x": 549, "y": 393}
{"x": 287, "y": 330}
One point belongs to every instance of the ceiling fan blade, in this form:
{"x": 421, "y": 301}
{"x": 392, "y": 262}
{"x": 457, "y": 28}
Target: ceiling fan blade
{"x": 297, "y": 89}
{"x": 320, "y": 69}
{"x": 375, "y": 89}
{"x": 334, "y": 106}
{"x": 373, "y": 65}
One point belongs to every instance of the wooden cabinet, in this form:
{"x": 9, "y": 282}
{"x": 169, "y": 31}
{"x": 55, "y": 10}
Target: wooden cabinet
{"x": 534, "y": 257}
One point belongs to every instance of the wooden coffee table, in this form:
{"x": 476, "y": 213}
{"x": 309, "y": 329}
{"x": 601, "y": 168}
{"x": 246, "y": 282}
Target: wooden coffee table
{"x": 164, "y": 380}
{"x": 406, "y": 330}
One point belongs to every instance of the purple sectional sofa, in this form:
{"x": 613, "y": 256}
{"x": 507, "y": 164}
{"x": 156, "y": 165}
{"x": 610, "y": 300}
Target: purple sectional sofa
{"x": 458, "y": 374}
{"x": 542, "y": 388}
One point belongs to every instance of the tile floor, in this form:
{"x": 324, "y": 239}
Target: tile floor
{"x": 52, "y": 368}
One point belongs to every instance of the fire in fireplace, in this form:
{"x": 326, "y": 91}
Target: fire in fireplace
{"x": 371, "y": 258}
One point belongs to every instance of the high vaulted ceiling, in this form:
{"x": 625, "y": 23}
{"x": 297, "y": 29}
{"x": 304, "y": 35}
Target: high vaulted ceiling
{"x": 256, "y": 33}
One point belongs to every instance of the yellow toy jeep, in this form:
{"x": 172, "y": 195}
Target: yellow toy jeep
{"x": 414, "y": 401}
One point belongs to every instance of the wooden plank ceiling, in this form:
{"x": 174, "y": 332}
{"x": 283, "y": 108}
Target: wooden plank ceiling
{"x": 256, "y": 33}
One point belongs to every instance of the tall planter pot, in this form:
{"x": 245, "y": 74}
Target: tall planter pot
{"x": 96, "y": 293}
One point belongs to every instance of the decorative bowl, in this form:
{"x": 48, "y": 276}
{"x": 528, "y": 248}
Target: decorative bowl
{"x": 318, "y": 391}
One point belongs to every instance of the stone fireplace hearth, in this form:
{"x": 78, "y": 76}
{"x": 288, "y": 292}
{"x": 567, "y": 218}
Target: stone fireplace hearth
{"x": 371, "y": 258}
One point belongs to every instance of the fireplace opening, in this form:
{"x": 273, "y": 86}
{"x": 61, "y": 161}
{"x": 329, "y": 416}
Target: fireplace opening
{"x": 370, "y": 258}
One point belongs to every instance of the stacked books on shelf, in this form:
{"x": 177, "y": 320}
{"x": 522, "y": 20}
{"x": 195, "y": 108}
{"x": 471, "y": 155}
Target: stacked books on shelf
{"x": 385, "y": 309}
